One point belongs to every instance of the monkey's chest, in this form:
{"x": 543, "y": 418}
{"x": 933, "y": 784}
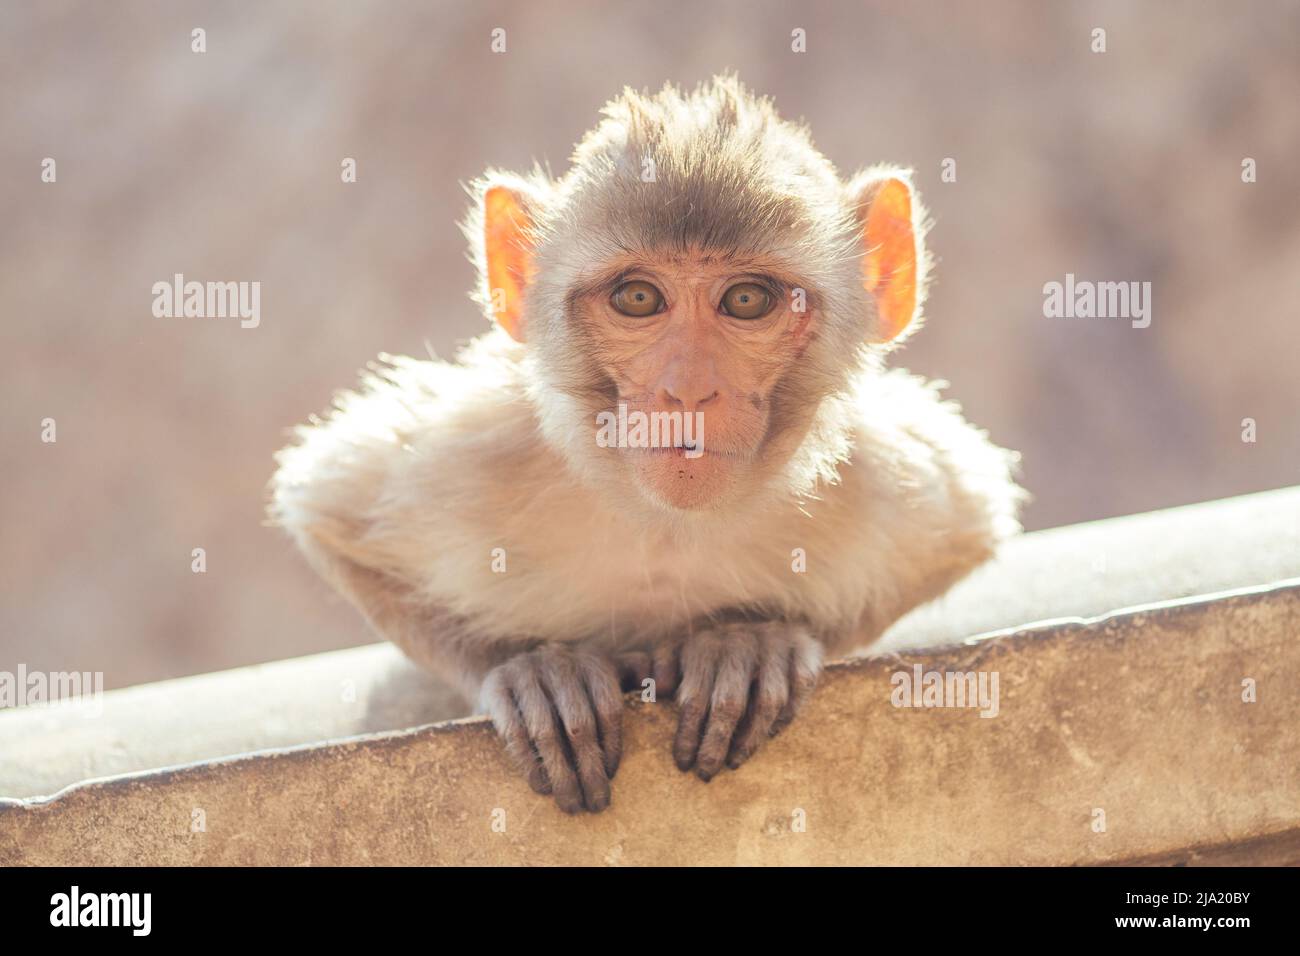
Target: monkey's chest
{"x": 650, "y": 587}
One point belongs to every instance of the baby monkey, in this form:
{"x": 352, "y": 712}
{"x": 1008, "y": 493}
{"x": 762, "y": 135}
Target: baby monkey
{"x": 677, "y": 457}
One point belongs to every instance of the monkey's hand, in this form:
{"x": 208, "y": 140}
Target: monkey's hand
{"x": 736, "y": 685}
{"x": 560, "y": 713}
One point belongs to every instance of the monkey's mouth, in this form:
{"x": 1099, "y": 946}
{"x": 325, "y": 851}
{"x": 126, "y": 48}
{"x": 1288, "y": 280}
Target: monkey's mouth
{"x": 676, "y": 451}
{"x": 687, "y": 452}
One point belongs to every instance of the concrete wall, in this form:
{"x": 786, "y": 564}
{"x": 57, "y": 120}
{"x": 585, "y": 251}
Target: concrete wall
{"x": 1162, "y": 732}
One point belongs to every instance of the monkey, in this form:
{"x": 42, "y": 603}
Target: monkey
{"x": 700, "y": 258}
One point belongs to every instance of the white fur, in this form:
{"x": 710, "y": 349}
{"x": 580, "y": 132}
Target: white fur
{"x": 431, "y": 466}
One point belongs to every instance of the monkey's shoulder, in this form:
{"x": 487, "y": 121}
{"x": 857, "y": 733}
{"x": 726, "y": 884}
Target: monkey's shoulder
{"x": 915, "y": 454}
{"x": 413, "y": 434}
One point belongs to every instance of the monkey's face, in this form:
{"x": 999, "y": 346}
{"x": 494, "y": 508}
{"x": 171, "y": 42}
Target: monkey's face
{"x": 693, "y": 290}
{"x": 694, "y": 346}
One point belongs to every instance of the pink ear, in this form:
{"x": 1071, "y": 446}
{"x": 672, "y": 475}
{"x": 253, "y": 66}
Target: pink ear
{"x": 889, "y": 263}
{"x": 508, "y": 249}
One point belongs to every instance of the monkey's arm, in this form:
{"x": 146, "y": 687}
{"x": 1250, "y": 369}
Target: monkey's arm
{"x": 925, "y": 499}
{"x": 558, "y": 707}
{"x": 360, "y": 496}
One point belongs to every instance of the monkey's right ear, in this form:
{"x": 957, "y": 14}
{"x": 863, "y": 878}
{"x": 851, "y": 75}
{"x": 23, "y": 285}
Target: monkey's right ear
{"x": 509, "y": 219}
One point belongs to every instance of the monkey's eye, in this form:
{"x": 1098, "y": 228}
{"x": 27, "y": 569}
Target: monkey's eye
{"x": 747, "y": 300}
{"x": 637, "y": 299}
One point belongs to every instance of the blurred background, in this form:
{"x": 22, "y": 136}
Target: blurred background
{"x": 226, "y": 166}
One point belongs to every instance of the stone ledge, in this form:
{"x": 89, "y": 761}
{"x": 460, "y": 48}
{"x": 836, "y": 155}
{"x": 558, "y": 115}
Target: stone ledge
{"x": 1137, "y": 713}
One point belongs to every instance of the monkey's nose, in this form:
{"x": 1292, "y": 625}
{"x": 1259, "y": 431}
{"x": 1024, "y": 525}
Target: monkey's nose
{"x": 670, "y": 398}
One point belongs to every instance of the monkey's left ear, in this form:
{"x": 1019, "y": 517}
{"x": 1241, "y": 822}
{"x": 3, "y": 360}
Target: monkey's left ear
{"x": 508, "y": 219}
{"x": 893, "y": 260}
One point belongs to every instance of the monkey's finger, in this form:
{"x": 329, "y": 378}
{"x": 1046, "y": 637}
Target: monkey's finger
{"x": 727, "y": 704}
{"x": 564, "y": 682}
{"x": 771, "y": 692}
{"x": 502, "y": 707}
{"x": 548, "y": 739}
{"x": 607, "y": 705}
{"x": 698, "y": 664}
{"x": 805, "y": 665}
{"x": 633, "y": 668}
{"x": 665, "y": 669}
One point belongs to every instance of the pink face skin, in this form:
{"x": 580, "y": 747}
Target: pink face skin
{"x": 692, "y": 356}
